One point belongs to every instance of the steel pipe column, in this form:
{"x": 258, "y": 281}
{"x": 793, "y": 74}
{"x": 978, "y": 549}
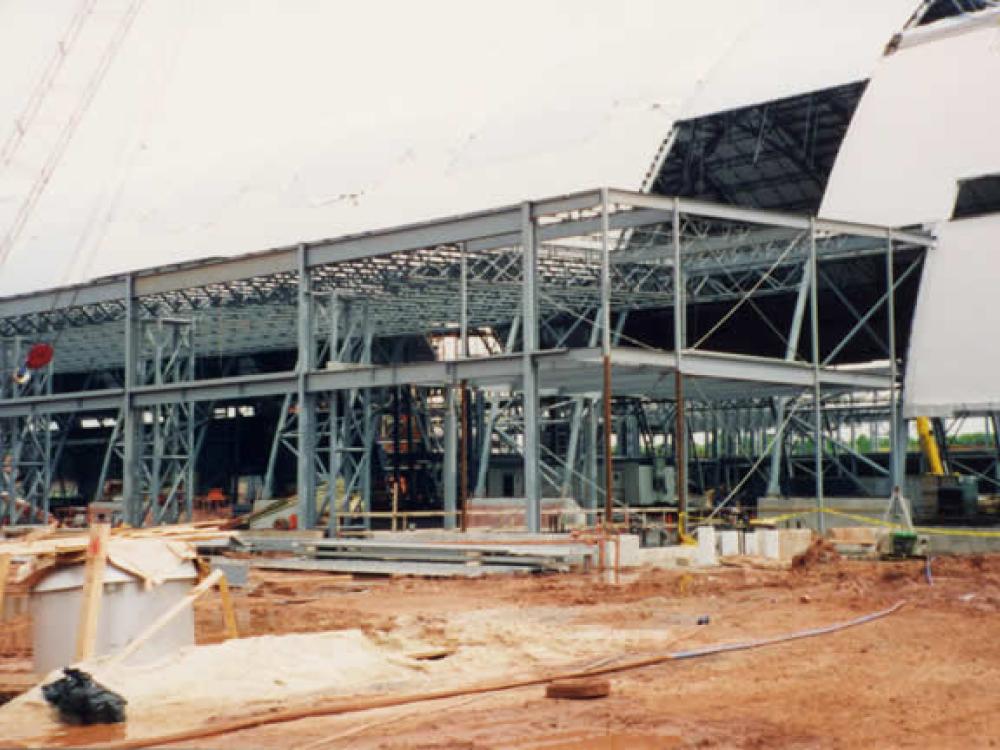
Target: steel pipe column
{"x": 306, "y": 401}
{"x": 529, "y": 304}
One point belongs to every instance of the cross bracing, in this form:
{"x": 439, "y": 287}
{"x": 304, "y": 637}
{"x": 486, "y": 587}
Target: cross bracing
{"x": 360, "y": 316}
{"x": 417, "y": 291}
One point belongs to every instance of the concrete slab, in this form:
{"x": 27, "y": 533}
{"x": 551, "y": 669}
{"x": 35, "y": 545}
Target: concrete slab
{"x": 676, "y": 556}
{"x": 968, "y": 543}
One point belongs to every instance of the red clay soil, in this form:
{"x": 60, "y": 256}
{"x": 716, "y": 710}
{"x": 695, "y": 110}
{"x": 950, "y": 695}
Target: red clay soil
{"x": 927, "y": 676}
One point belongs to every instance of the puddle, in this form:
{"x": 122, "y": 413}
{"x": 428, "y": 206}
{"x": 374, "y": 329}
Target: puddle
{"x": 588, "y": 741}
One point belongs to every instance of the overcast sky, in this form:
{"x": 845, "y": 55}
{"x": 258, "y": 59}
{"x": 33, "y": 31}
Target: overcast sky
{"x": 229, "y": 126}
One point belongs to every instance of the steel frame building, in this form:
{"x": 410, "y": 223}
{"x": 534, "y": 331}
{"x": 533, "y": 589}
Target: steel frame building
{"x": 549, "y": 288}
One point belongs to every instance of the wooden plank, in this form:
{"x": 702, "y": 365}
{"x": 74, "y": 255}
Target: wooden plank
{"x": 4, "y": 575}
{"x": 12, "y": 684}
{"x": 79, "y": 542}
{"x": 93, "y": 590}
{"x": 36, "y": 534}
{"x": 163, "y": 620}
{"x": 228, "y": 615}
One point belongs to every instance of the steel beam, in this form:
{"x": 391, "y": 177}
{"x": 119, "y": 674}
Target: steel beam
{"x": 791, "y": 351}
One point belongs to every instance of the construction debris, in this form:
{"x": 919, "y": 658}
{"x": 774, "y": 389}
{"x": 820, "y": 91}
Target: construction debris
{"x": 80, "y": 700}
{"x": 528, "y": 557}
{"x": 579, "y": 689}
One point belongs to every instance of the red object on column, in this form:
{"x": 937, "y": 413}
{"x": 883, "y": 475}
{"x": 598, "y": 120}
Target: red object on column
{"x": 39, "y": 355}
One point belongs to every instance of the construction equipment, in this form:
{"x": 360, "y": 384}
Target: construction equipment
{"x": 943, "y": 495}
{"x": 929, "y": 446}
{"x": 901, "y": 544}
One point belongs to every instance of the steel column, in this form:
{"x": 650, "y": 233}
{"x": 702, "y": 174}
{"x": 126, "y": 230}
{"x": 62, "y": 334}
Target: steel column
{"x": 817, "y": 386}
{"x": 529, "y": 303}
{"x": 609, "y": 499}
{"x": 680, "y": 343}
{"x": 897, "y": 468}
{"x": 305, "y": 401}
{"x": 791, "y": 350}
{"x": 131, "y": 417}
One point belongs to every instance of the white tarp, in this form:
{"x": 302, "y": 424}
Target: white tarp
{"x": 954, "y": 360}
{"x": 928, "y": 119}
{"x": 226, "y": 127}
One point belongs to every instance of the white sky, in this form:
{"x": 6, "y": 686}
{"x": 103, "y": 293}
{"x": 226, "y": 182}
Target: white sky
{"x": 228, "y": 126}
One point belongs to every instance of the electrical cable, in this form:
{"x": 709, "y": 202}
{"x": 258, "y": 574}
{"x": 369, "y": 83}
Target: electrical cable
{"x": 349, "y": 705}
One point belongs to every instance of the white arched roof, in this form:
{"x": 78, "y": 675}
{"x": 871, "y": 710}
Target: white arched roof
{"x": 927, "y": 120}
{"x": 225, "y": 127}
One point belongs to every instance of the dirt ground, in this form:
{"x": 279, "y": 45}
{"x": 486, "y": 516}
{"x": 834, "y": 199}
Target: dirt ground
{"x": 926, "y": 676}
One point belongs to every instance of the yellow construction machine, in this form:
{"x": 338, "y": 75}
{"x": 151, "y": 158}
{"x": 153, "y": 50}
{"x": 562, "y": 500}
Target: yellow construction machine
{"x": 943, "y": 495}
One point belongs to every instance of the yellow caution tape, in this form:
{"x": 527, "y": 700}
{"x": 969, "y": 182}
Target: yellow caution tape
{"x": 877, "y": 522}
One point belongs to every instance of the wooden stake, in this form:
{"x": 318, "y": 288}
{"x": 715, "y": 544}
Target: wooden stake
{"x": 395, "y": 505}
{"x": 93, "y": 590}
{"x": 228, "y": 615}
{"x": 4, "y": 573}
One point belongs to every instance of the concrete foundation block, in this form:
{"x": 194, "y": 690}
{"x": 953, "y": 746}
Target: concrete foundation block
{"x": 750, "y": 546}
{"x": 862, "y": 535}
{"x": 729, "y": 543}
{"x": 793, "y": 542}
{"x": 706, "y": 546}
{"x": 676, "y": 556}
{"x": 769, "y": 544}
{"x": 629, "y": 546}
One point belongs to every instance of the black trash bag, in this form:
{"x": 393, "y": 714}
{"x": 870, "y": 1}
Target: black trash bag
{"x": 80, "y": 700}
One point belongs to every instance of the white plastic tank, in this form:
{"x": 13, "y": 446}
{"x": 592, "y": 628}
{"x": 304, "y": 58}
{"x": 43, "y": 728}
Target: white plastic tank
{"x": 127, "y": 608}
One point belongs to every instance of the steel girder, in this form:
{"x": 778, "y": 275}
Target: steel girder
{"x": 470, "y": 272}
{"x": 25, "y": 442}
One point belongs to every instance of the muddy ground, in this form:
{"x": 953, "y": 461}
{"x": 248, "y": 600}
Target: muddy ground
{"x": 926, "y": 676}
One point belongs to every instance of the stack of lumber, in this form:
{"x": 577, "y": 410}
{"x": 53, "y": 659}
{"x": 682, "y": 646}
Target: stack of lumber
{"x": 52, "y": 540}
{"x": 42, "y": 549}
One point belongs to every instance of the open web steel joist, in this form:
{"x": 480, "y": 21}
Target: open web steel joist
{"x": 549, "y": 291}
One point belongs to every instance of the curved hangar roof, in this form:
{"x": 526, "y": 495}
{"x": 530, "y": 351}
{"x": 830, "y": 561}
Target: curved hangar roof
{"x": 912, "y": 145}
{"x": 923, "y": 150}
